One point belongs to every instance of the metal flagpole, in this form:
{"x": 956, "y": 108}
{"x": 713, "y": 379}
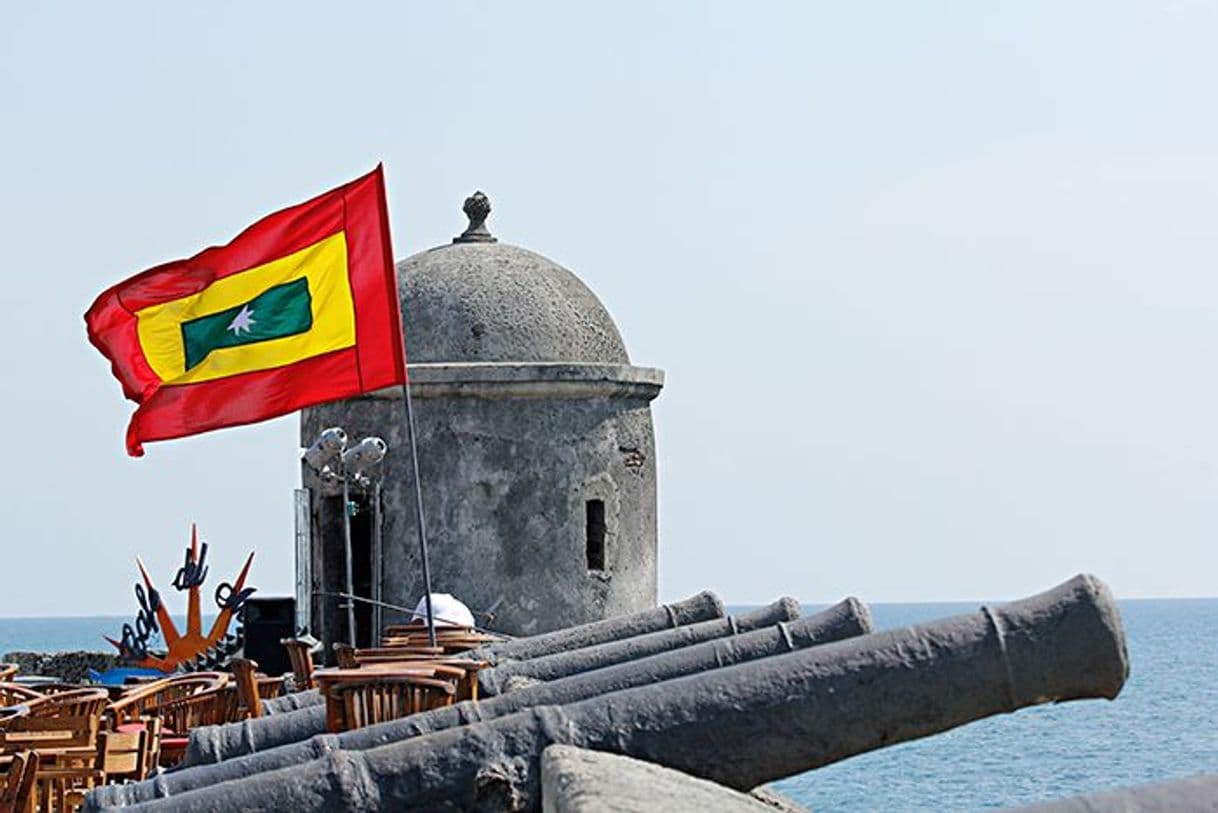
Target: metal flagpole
{"x": 418, "y": 507}
{"x": 414, "y": 447}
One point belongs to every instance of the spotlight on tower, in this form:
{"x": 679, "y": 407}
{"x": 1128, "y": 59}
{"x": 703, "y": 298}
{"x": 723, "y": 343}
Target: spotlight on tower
{"x": 326, "y": 449}
{"x": 363, "y": 456}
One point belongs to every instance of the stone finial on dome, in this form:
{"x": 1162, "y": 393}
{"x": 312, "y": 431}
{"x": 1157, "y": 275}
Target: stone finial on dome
{"x": 477, "y": 207}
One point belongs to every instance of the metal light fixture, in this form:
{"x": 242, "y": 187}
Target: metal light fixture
{"x": 336, "y": 464}
{"x": 327, "y": 449}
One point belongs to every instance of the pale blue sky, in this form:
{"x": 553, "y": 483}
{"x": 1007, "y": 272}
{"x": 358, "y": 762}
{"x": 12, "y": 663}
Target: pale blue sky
{"x": 933, "y": 283}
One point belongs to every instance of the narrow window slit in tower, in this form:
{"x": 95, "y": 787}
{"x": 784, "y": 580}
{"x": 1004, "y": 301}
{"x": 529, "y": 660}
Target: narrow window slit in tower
{"x": 596, "y": 534}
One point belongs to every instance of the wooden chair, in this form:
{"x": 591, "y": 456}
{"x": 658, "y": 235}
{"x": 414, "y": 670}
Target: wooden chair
{"x": 300, "y": 655}
{"x": 13, "y": 693}
{"x": 19, "y": 782}
{"x": 211, "y": 707}
{"x": 380, "y": 698}
{"x": 63, "y": 729}
{"x": 57, "y": 725}
{"x": 64, "y": 789}
{"x": 214, "y": 706}
{"x": 329, "y": 679}
{"x": 66, "y": 735}
{"x": 130, "y": 755}
{"x": 181, "y": 703}
{"x": 120, "y": 756}
{"x": 7, "y": 670}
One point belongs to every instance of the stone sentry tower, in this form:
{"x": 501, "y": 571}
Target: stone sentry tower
{"x": 536, "y": 452}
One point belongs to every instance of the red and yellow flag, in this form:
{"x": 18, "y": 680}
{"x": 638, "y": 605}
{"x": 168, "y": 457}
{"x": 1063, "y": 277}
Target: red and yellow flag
{"x": 299, "y": 309}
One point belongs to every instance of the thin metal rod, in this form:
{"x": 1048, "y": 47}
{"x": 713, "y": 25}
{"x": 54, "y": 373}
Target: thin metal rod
{"x": 389, "y": 606}
{"x": 418, "y": 507}
{"x": 347, "y": 550}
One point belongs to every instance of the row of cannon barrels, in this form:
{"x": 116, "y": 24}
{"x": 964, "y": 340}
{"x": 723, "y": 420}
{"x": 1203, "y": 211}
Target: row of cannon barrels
{"x": 740, "y": 701}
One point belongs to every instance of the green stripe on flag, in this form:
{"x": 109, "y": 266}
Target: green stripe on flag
{"x": 284, "y": 310}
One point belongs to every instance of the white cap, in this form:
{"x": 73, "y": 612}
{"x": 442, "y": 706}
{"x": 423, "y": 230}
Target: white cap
{"x": 449, "y": 611}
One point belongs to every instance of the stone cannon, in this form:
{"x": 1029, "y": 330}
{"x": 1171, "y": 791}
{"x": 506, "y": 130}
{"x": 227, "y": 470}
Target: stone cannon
{"x": 702, "y": 607}
{"x": 742, "y": 725}
{"x": 846, "y": 619}
{"x": 218, "y": 743}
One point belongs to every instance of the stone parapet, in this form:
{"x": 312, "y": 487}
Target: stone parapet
{"x": 70, "y": 667}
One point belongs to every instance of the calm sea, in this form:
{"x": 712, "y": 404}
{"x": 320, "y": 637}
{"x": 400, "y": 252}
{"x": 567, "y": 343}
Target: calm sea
{"x": 1162, "y": 725}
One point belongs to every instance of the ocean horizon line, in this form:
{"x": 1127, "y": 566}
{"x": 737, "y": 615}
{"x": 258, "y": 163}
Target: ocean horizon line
{"x": 207, "y": 617}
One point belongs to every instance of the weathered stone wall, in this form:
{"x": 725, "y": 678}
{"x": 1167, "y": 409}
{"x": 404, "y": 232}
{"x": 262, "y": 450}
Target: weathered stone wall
{"x": 72, "y": 667}
{"x": 509, "y": 456}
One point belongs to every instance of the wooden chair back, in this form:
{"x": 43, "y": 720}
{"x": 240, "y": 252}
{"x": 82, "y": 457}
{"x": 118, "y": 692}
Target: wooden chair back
{"x": 130, "y": 754}
{"x": 74, "y": 703}
{"x": 378, "y": 699}
{"x": 300, "y": 655}
{"x": 144, "y": 700}
{"x": 13, "y": 693}
{"x": 32, "y": 732}
{"x": 67, "y": 720}
{"x": 60, "y": 688}
{"x": 19, "y": 782}
{"x": 269, "y": 687}
{"x": 214, "y": 706}
{"x": 7, "y": 670}
{"x": 245, "y": 676}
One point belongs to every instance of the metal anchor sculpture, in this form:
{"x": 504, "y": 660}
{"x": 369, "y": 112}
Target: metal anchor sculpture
{"x": 192, "y": 648}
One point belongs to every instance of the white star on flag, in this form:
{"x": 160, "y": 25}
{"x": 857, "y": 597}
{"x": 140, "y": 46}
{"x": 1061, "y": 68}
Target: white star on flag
{"x": 242, "y": 321}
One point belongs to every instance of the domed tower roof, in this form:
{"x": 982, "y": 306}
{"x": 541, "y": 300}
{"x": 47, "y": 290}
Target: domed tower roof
{"x": 482, "y": 301}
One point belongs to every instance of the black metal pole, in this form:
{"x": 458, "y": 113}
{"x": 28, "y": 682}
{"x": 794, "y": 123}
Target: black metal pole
{"x": 378, "y": 563}
{"x": 347, "y": 552}
{"x": 418, "y": 507}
